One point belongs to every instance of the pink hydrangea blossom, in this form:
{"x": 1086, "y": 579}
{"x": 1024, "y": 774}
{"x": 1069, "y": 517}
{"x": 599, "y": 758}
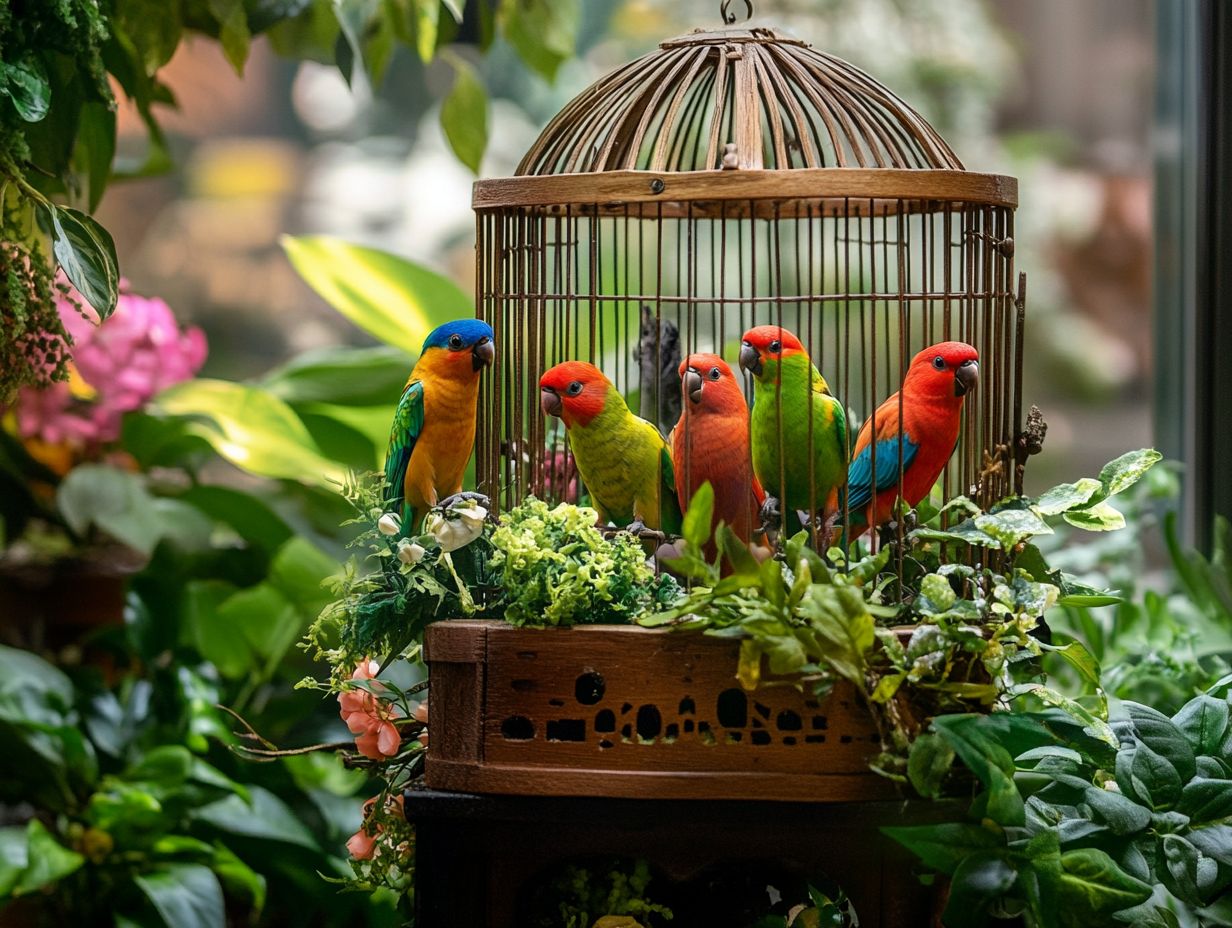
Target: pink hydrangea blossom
{"x": 558, "y": 477}
{"x": 116, "y": 368}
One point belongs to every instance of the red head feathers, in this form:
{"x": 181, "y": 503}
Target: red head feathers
{"x": 574, "y": 391}
{"x": 946, "y": 371}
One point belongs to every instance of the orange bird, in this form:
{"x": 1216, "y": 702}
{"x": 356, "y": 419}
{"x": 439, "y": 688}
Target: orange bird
{"x": 931, "y": 398}
{"x": 711, "y": 442}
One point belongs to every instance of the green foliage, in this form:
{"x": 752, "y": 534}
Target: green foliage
{"x": 1074, "y": 832}
{"x": 556, "y": 568}
{"x": 464, "y": 114}
{"x": 582, "y": 894}
{"x": 389, "y": 297}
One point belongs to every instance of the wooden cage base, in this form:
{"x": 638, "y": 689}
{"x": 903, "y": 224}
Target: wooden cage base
{"x": 479, "y": 858}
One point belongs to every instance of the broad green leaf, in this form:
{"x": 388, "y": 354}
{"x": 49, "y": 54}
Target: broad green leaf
{"x": 94, "y": 149}
{"x": 936, "y": 595}
{"x": 343, "y": 377}
{"x": 389, "y": 297}
{"x": 928, "y": 764}
{"x": 184, "y": 895}
{"x": 988, "y": 760}
{"x": 246, "y": 514}
{"x": 696, "y": 528}
{"x": 978, "y": 884}
{"x": 233, "y": 32}
{"x": 1203, "y": 720}
{"x": 1066, "y": 496}
{"x": 464, "y": 113}
{"x": 13, "y": 858}
{"x": 32, "y": 690}
{"x": 25, "y": 83}
{"x": 1123, "y": 472}
{"x": 1010, "y": 526}
{"x": 1215, "y": 841}
{"x": 944, "y": 847}
{"x": 543, "y": 32}
{"x": 113, "y": 500}
{"x": 154, "y": 27}
{"x": 1092, "y": 886}
{"x": 455, "y": 8}
{"x": 1101, "y": 517}
{"x": 1149, "y": 776}
{"x": 1122, "y": 815}
{"x": 1205, "y": 800}
{"x": 85, "y": 252}
{"x": 1077, "y": 656}
{"x": 164, "y": 769}
{"x": 427, "y": 21}
{"x": 1164, "y": 737}
{"x": 1182, "y": 865}
{"x": 298, "y": 571}
{"x": 239, "y": 880}
{"x": 267, "y": 818}
{"x": 251, "y": 428}
{"x": 48, "y": 861}
{"x": 210, "y": 635}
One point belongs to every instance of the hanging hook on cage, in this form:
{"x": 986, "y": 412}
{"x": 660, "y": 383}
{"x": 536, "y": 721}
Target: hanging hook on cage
{"x": 729, "y": 17}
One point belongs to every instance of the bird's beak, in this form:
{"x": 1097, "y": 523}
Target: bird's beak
{"x": 750, "y": 359}
{"x": 549, "y": 401}
{"x": 483, "y": 353}
{"x": 692, "y": 385}
{"x": 965, "y": 377}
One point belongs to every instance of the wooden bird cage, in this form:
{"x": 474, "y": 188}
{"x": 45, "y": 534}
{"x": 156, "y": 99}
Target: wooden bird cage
{"x": 735, "y": 178}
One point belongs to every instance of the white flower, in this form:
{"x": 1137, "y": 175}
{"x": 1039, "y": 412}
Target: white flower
{"x": 452, "y": 534}
{"x": 410, "y": 552}
{"x": 390, "y": 523}
{"x": 474, "y": 516}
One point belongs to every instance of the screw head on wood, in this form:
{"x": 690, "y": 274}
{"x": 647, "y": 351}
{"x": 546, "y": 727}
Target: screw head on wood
{"x": 657, "y": 185}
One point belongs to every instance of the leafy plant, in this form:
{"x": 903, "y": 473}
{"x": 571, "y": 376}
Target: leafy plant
{"x": 556, "y": 568}
{"x": 598, "y": 893}
{"x": 1069, "y": 831}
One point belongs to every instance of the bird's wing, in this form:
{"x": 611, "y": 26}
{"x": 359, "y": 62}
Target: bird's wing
{"x": 407, "y": 426}
{"x": 669, "y": 503}
{"x": 862, "y": 483}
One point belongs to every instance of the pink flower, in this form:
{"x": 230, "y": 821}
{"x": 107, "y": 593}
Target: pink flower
{"x": 363, "y": 844}
{"x": 368, "y": 718}
{"x": 116, "y": 368}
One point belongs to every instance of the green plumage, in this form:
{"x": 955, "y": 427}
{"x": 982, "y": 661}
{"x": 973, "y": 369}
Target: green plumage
{"x": 627, "y": 467}
{"x": 799, "y": 479}
{"x": 405, "y": 431}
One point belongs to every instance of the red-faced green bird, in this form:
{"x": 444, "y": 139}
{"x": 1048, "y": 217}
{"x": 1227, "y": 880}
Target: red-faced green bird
{"x": 931, "y": 397}
{"x": 711, "y": 443}
{"x": 622, "y": 459}
{"x": 790, "y": 397}
{"x": 434, "y": 427}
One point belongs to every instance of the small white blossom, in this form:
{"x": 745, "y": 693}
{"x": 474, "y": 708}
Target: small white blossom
{"x": 410, "y": 552}
{"x": 390, "y": 523}
{"x": 473, "y": 516}
{"x": 452, "y": 534}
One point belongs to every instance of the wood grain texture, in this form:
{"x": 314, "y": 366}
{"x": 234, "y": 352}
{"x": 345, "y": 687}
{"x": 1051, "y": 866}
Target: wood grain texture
{"x": 832, "y": 187}
{"x": 626, "y": 711}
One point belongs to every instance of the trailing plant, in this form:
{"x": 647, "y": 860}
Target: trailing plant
{"x": 614, "y": 893}
{"x": 975, "y": 641}
{"x": 1070, "y": 831}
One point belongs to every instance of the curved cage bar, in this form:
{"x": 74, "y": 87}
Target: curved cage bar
{"x": 732, "y": 179}
{"x": 745, "y": 99}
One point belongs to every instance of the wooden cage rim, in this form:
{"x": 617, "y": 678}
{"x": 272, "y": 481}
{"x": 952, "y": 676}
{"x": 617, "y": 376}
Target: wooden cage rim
{"x": 834, "y": 187}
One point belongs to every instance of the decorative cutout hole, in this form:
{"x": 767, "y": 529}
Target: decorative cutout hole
{"x": 523, "y": 686}
{"x": 649, "y": 723}
{"x": 567, "y": 730}
{"x": 760, "y": 737}
{"x": 789, "y": 721}
{"x": 589, "y": 688}
{"x": 820, "y": 723}
{"x": 517, "y": 728}
{"x": 605, "y": 720}
{"x": 687, "y": 706}
{"x": 733, "y": 708}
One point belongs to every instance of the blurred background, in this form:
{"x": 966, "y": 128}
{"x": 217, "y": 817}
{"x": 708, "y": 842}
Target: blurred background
{"x": 1054, "y": 92}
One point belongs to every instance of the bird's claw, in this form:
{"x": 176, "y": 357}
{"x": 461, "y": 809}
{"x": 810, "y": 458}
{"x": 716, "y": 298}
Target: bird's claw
{"x": 771, "y": 518}
{"x": 469, "y": 496}
{"x": 638, "y": 529}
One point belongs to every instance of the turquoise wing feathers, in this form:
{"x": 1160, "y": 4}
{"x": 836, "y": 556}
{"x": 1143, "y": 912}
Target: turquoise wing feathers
{"x": 407, "y": 426}
{"x": 862, "y": 484}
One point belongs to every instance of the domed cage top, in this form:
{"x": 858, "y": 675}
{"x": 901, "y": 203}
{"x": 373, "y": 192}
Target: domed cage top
{"x": 729, "y": 179}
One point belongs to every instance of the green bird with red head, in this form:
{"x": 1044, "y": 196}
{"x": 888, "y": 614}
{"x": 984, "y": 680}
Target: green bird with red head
{"x": 797, "y": 428}
{"x": 622, "y": 459}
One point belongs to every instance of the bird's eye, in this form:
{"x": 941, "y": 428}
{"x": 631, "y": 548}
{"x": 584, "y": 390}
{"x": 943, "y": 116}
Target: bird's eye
{"x": 776, "y": 346}
{"x": 574, "y": 388}
{"x": 455, "y": 342}
{"x": 939, "y": 363}
{"x": 714, "y": 373}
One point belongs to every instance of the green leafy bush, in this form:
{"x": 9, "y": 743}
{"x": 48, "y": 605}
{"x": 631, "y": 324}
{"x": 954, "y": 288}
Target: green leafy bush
{"x": 1074, "y": 832}
{"x": 557, "y": 568}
